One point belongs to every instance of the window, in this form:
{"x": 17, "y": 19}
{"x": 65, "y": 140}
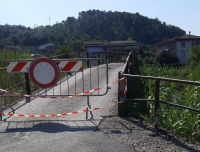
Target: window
{"x": 182, "y": 44}
{"x": 182, "y": 54}
{"x": 193, "y": 43}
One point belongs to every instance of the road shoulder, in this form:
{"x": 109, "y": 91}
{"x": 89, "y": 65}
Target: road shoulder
{"x": 143, "y": 137}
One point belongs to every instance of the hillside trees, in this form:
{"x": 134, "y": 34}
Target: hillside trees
{"x": 91, "y": 25}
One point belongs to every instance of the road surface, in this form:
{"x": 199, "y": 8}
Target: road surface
{"x": 70, "y": 133}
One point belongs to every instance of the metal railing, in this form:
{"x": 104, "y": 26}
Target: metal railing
{"x": 128, "y": 72}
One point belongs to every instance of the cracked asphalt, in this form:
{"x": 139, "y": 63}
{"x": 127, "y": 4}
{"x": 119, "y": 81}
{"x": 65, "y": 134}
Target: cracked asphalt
{"x": 71, "y": 133}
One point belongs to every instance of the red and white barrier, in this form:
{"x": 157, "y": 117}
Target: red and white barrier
{"x": 20, "y": 67}
{"x": 64, "y": 66}
{"x": 70, "y": 66}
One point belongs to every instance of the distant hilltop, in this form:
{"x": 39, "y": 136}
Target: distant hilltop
{"x": 91, "y": 25}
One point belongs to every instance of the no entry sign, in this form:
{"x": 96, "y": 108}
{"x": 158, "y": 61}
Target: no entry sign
{"x": 44, "y": 72}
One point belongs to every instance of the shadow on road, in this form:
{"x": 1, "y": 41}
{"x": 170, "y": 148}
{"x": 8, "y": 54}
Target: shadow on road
{"x": 49, "y": 126}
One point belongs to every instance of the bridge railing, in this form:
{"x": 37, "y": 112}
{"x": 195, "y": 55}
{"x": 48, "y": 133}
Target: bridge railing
{"x": 131, "y": 64}
{"x": 128, "y": 73}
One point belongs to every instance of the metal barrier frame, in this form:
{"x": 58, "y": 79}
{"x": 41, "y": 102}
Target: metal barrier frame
{"x": 27, "y": 80}
{"x": 28, "y": 88}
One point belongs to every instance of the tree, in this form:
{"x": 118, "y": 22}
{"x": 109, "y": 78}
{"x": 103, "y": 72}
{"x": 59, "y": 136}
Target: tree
{"x": 99, "y": 25}
{"x": 63, "y": 50}
{"x": 166, "y": 57}
{"x": 194, "y": 56}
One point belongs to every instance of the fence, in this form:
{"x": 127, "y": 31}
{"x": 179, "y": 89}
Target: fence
{"x": 128, "y": 72}
{"x": 18, "y": 85}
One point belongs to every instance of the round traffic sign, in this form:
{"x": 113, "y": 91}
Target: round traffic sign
{"x": 44, "y": 72}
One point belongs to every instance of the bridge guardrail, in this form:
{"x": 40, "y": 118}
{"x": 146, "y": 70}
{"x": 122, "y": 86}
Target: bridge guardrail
{"x": 128, "y": 72}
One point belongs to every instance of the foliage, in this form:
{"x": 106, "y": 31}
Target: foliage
{"x": 91, "y": 25}
{"x": 166, "y": 57}
{"x": 63, "y": 50}
{"x": 181, "y": 121}
{"x": 10, "y": 79}
{"x": 194, "y": 56}
{"x": 147, "y": 55}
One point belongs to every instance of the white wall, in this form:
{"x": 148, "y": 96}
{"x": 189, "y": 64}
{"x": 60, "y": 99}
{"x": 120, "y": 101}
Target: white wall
{"x": 188, "y": 45}
{"x": 183, "y": 50}
{"x": 180, "y": 55}
{"x": 94, "y": 50}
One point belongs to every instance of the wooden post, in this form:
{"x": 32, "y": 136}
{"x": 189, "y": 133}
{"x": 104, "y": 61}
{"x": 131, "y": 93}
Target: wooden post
{"x": 156, "y": 110}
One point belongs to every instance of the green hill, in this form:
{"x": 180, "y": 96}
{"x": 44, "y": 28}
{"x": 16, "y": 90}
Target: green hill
{"x": 91, "y": 25}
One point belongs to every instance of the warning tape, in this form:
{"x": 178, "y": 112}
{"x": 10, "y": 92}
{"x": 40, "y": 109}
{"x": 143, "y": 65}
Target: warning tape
{"x": 57, "y": 115}
{"x": 54, "y": 97}
{"x": 125, "y": 88}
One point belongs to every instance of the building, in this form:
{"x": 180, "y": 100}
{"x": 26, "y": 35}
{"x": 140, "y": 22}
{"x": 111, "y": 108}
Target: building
{"x": 113, "y": 50}
{"x": 47, "y": 48}
{"x": 10, "y": 48}
{"x": 179, "y": 45}
{"x": 110, "y": 47}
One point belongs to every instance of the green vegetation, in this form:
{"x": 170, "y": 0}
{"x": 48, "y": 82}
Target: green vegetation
{"x": 166, "y": 57}
{"x": 181, "y": 121}
{"x": 11, "y": 79}
{"x": 91, "y": 25}
{"x": 194, "y": 56}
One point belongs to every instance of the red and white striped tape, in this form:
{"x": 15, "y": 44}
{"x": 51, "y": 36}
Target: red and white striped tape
{"x": 54, "y": 97}
{"x": 56, "y": 115}
{"x": 125, "y": 87}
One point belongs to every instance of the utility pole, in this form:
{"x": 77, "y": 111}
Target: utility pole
{"x": 35, "y": 25}
{"x": 49, "y": 20}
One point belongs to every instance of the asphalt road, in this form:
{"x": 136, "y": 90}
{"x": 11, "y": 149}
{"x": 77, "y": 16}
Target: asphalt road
{"x": 71, "y": 133}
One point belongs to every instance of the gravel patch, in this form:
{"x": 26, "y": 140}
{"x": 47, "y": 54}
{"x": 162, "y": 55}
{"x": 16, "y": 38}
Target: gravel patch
{"x": 143, "y": 137}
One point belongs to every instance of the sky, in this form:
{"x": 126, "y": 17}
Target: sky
{"x": 182, "y": 13}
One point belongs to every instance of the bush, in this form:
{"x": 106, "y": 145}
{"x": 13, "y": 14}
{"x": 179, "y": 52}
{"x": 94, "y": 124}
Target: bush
{"x": 166, "y": 57}
{"x": 194, "y": 56}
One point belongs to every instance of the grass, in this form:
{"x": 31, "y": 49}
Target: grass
{"x": 180, "y": 121}
{"x": 7, "y": 80}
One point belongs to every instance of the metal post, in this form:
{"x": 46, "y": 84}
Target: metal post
{"x": 133, "y": 62}
{"x": 129, "y": 66}
{"x": 121, "y": 105}
{"x": 88, "y": 107}
{"x": 28, "y": 87}
{"x": 5, "y": 101}
{"x": 156, "y": 110}
{"x": 98, "y": 60}
{"x": 87, "y": 61}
